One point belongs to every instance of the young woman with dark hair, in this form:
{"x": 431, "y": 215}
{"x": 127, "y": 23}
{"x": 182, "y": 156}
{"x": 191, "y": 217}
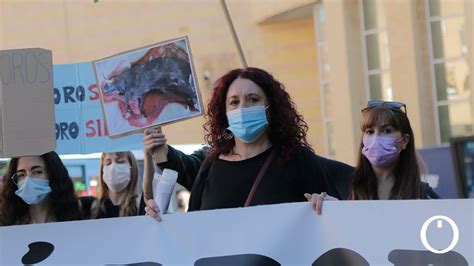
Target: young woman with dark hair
{"x": 38, "y": 189}
{"x": 388, "y": 166}
{"x": 258, "y": 150}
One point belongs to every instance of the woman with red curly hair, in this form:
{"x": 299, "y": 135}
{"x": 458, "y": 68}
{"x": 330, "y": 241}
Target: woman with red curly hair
{"x": 258, "y": 150}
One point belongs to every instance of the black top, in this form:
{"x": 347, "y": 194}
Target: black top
{"x": 86, "y": 205}
{"x": 240, "y": 176}
{"x": 429, "y": 193}
{"x": 217, "y": 183}
{"x": 110, "y": 210}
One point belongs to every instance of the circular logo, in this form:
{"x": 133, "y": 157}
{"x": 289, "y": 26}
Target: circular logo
{"x": 439, "y": 219}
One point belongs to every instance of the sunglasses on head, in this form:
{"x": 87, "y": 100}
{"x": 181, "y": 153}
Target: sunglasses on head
{"x": 392, "y": 105}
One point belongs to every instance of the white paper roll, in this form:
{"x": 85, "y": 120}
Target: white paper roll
{"x": 164, "y": 188}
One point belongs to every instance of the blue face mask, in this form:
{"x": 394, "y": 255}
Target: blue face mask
{"x": 33, "y": 190}
{"x": 247, "y": 124}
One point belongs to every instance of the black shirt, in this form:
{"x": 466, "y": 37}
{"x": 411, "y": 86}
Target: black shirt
{"x": 239, "y": 176}
{"x": 109, "y": 211}
{"x": 226, "y": 184}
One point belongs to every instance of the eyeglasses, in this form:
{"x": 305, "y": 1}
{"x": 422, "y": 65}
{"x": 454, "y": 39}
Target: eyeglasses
{"x": 18, "y": 176}
{"x": 392, "y": 105}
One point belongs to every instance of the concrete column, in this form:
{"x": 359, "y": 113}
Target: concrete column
{"x": 347, "y": 75}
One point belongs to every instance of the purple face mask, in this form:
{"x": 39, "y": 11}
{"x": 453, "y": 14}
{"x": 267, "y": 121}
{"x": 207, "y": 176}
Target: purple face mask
{"x": 381, "y": 151}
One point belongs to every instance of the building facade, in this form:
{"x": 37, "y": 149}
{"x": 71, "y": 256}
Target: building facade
{"x": 332, "y": 55}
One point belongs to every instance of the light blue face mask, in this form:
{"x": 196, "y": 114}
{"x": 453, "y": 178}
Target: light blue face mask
{"x": 33, "y": 190}
{"x": 247, "y": 124}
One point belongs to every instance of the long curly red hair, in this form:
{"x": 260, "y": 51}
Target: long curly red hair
{"x": 287, "y": 129}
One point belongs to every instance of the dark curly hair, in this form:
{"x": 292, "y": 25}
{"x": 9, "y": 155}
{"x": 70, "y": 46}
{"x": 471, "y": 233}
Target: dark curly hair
{"x": 287, "y": 129}
{"x": 62, "y": 201}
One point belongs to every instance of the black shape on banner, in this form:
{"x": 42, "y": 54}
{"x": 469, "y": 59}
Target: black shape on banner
{"x": 146, "y": 263}
{"x": 242, "y": 259}
{"x": 401, "y": 257}
{"x": 38, "y": 251}
{"x": 341, "y": 257}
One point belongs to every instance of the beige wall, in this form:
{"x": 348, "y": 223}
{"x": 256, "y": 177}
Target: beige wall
{"x": 286, "y": 49}
{"x": 84, "y": 31}
{"x": 347, "y": 76}
{"x": 263, "y": 9}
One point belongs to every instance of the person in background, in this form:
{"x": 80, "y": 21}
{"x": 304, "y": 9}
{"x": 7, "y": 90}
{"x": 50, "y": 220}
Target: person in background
{"x": 118, "y": 186}
{"x": 3, "y": 170}
{"x": 1, "y": 182}
{"x": 182, "y": 199}
{"x": 388, "y": 166}
{"x": 38, "y": 189}
{"x": 258, "y": 150}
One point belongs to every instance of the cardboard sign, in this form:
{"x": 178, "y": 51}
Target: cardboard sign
{"x": 80, "y": 127}
{"x": 149, "y": 86}
{"x": 26, "y": 102}
{"x": 347, "y": 233}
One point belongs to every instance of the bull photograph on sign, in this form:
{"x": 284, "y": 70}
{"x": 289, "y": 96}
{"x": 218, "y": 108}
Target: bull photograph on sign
{"x": 148, "y": 86}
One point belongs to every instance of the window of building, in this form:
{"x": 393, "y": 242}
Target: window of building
{"x": 446, "y": 22}
{"x": 324, "y": 72}
{"x": 375, "y": 41}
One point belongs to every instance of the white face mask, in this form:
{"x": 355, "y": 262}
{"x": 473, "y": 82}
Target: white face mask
{"x": 116, "y": 176}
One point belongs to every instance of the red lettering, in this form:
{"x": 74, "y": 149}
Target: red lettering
{"x": 95, "y": 128}
{"x": 95, "y": 92}
{"x": 99, "y": 127}
{"x": 90, "y": 126}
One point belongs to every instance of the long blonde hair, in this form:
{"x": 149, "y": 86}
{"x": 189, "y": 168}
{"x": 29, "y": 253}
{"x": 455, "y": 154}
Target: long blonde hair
{"x": 128, "y": 207}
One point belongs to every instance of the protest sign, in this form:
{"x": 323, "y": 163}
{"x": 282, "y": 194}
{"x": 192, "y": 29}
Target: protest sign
{"x": 26, "y": 102}
{"x": 149, "y": 86}
{"x": 347, "y": 233}
{"x": 80, "y": 127}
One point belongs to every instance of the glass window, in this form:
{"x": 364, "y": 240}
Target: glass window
{"x": 327, "y": 99}
{"x": 446, "y": 7}
{"x": 321, "y": 24}
{"x": 94, "y": 185}
{"x": 469, "y": 167}
{"x": 332, "y": 150}
{"x": 374, "y": 16}
{"x": 380, "y": 87}
{"x": 324, "y": 72}
{"x": 377, "y": 51}
{"x": 452, "y": 80}
{"x": 448, "y": 38}
{"x": 325, "y": 68}
{"x": 455, "y": 120}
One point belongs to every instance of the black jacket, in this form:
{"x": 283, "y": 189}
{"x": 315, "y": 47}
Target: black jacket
{"x": 314, "y": 173}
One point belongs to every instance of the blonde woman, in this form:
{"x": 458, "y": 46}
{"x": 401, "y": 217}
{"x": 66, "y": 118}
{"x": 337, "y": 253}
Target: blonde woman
{"x": 118, "y": 193}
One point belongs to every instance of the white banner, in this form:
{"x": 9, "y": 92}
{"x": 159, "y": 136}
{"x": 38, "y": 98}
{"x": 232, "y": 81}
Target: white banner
{"x": 348, "y": 232}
